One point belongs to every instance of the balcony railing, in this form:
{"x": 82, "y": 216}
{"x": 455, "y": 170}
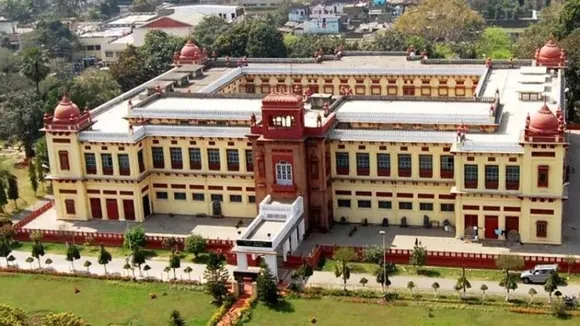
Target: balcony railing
{"x": 342, "y": 170}
{"x": 363, "y": 171}
{"x": 195, "y": 165}
{"x": 512, "y": 185}
{"x": 158, "y": 164}
{"x": 107, "y": 170}
{"x": 491, "y": 184}
{"x": 177, "y": 165}
{"x": 383, "y": 172}
{"x": 250, "y": 167}
{"x": 471, "y": 184}
{"x": 124, "y": 171}
{"x": 446, "y": 174}
{"x": 214, "y": 166}
{"x": 91, "y": 169}
{"x": 424, "y": 173}
{"x": 233, "y": 167}
{"x": 404, "y": 172}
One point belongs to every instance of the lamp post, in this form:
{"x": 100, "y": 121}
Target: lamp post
{"x": 383, "y": 233}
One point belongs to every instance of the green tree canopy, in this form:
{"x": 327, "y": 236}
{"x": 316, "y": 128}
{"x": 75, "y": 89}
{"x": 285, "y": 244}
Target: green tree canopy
{"x": 22, "y": 119}
{"x": 265, "y": 41}
{"x": 495, "y": 43}
{"x": 54, "y": 37}
{"x": 93, "y": 87}
{"x": 266, "y": 284}
{"x": 441, "y": 21}
{"x": 109, "y": 8}
{"x": 144, "y": 5}
{"x": 34, "y": 66}
{"x": 208, "y": 30}
{"x": 195, "y": 244}
{"x": 134, "y": 237}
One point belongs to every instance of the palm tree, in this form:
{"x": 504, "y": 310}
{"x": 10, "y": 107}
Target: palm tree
{"x": 532, "y": 292}
{"x": 188, "y": 270}
{"x": 410, "y": 286}
{"x": 463, "y": 283}
{"x": 483, "y": 288}
{"x": 34, "y": 66}
{"x": 436, "y": 287}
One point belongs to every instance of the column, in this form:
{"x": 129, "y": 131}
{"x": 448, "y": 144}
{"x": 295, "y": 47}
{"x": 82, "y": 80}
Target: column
{"x": 121, "y": 209}
{"x": 295, "y": 241}
{"x": 301, "y": 230}
{"x": 286, "y": 248}
{"x": 242, "y": 260}
{"x": 271, "y": 261}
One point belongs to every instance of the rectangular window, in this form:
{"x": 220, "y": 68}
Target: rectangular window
{"x": 383, "y": 204}
{"x": 249, "y": 160}
{"x": 364, "y": 204}
{"x": 141, "y": 161}
{"x": 362, "y": 164}
{"x": 447, "y": 166}
{"x": 344, "y": 203}
{"x": 426, "y": 206}
{"x": 90, "y": 163}
{"x": 284, "y": 173}
{"x": 383, "y": 165}
{"x": 216, "y": 197}
{"x": 252, "y": 199}
{"x": 124, "y": 165}
{"x": 107, "y": 163}
{"x": 543, "y": 178}
{"x": 158, "y": 158}
{"x": 69, "y": 205}
{"x": 512, "y": 177}
{"x": 404, "y": 165}
{"x": 470, "y": 175}
{"x": 63, "y": 160}
{"x": 176, "y": 158}
{"x": 194, "y": 159}
{"x": 179, "y": 196}
{"x": 235, "y": 198}
{"x": 541, "y": 229}
{"x": 405, "y": 205}
{"x": 233, "y": 159}
{"x": 342, "y": 164}
{"x": 426, "y": 166}
{"x": 108, "y": 54}
{"x": 448, "y": 207}
{"x": 161, "y": 195}
{"x": 198, "y": 197}
{"x": 213, "y": 158}
{"x": 491, "y": 176}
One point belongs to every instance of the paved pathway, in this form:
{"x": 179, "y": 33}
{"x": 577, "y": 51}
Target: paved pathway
{"x": 115, "y": 267}
{"x": 423, "y": 284}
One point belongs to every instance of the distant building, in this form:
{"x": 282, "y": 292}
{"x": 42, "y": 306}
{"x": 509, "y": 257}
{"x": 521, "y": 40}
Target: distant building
{"x": 298, "y": 13}
{"x": 260, "y": 3}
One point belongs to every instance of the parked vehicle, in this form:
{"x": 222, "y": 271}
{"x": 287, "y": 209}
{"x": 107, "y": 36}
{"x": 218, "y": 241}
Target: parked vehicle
{"x": 570, "y": 301}
{"x": 539, "y": 274}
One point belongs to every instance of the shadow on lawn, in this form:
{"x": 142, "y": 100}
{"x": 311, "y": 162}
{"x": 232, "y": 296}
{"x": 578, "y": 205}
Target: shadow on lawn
{"x": 283, "y": 306}
{"x": 429, "y": 273}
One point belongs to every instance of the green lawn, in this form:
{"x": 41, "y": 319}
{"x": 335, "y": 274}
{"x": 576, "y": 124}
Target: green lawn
{"x": 329, "y": 311}
{"x": 443, "y": 272}
{"x": 116, "y": 252}
{"x": 104, "y": 302}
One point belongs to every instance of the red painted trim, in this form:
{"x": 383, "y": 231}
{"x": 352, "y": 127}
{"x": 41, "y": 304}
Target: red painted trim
{"x": 166, "y": 22}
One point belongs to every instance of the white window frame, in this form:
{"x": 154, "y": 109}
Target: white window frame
{"x": 284, "y": 173}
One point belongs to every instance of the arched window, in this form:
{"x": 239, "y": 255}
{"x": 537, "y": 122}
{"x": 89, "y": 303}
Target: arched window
{"x": 284, "y": 173}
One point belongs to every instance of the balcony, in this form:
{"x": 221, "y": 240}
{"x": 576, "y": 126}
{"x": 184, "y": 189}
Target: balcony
{"x": 125, "y": 171}
{"x": 91, "y": 169}
{"x": 233, "y": 167}
{"x": 383, "y": 172}
{"x": 404, "y": 172}
{"x": 177, "y": 165}
{"x": 446, "y": 174}
{"x": 470, "y": 184}
{"x": 512, "y": 185}
{"x": 491, "y": 184}
{"x": 158, "y": 164}
{"x": 424, "y": 173}
{"x": 195, "y": 165}
{"x": 363, "y": 171}
{"x": 342, "y": 170}
{"x": 107, "y": 170}
{"x": 214, "y": 166}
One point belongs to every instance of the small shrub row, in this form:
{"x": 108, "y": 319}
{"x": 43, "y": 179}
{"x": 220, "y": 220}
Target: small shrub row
{"x": 245, "y": 313}
{"x": 529, "y": 311}
{"x": 218, "y": 315}
{"x": 319, "y": 291}
{"x": 110, "y": 277}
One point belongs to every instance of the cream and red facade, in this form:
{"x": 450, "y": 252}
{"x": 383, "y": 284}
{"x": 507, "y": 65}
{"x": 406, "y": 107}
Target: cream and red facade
{"x": 356, "y": 170}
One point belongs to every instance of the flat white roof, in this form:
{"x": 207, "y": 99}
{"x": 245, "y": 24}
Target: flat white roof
{"x": 272, "y": 227}
{"x": 109, "y": 32}
{"x": 533, "y": 70}
{"x": 132, "y": 19}
{"x": 127, "y": 39}
{"x": 195, "y": 104}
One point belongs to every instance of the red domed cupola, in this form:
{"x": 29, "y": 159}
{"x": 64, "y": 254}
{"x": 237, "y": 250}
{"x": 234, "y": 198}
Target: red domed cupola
{"x": 543, "y": 122}
{"x": 191, "y": 53}
{"x": 550, "y": 55}
{"x": 66, "y": 110}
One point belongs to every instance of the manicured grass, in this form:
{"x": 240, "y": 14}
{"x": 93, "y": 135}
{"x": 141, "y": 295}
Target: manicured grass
{"x": 27, "y": 196}
{"x": 329, "y": 311}
{"x": 116, "y": 252}
{"x": 104, "y": 302}
{"x": 443, "y": 272}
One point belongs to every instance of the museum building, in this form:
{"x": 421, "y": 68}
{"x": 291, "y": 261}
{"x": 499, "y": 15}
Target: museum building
{"x": 299, "y": 147}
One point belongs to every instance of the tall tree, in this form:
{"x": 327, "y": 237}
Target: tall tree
{"x": 40, "y": 159}
{"x": 441, "y": 21}
{"x": 22, "y": 119}
{"x": 93, "y": 87}
{"x": 551, "y": 285}
{"x": 208, "y": 30}
{"x": 343, "y": 256}
{"x": 233, "y": 41}
{"x": 55, "y": 37}
{"x": 508, "y": 263}
{"x": 158, "y": 50}
{"x": 174, "y": 263}
{"x": 32, "y": 176}
{"x": 463, "y": 283}
{"x": 138, "y": 258}
{"x": 418, "y": 257}
{"x": 266, "y": 284}
{"x": 494, "y": 43}
{"x": 195, "y": 244}
{"x": 3, "y": 197}
{"x": 265, "y": 41}
{"x": 5, "y": 249}
{"x": 216, "y": 277}
{"x": 13, "y": 193}
{"x": 144, "y": 5}
{"x": 109, "y": 8}
{"x": 37, "y": 251}
{"x": 34, "y": 65}
{"x": 128, "y": 69}
{"x": 72, "y": 254}
{"x": 569, "y": 19}
{"x": 175, "y": 319}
